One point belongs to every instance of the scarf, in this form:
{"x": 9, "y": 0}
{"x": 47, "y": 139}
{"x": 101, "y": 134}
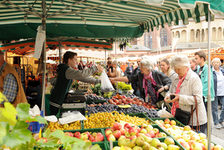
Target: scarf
{"x": 149, "y": 82}
{"x": 176, "y": 103}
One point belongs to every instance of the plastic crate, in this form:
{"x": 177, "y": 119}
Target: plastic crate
{"x": 178, "y": 123}
{"x": 161, "y": 140}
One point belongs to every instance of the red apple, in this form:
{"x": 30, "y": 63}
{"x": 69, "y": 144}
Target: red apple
{"x": 173, "y": 122}
{"x": 92, "y": 138}
{"x": 117, "y": 134}
{"x": 84, "y": 136}
{"x": 132, "y": 131}
{"x": 152, "y": 133}
{"x": 127, "y": 125}
{"x": 122, "y": 131}
{"x": 77, "y": 135}
{"x": 99, "y": 137}
{"x": 156, "y": 130}
{"x": 167, "y": 121}
{"x": 69, "y": 134}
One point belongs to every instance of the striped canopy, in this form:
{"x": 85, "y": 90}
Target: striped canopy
{"x": 27, "y": 47}
{"x": 98, "y": 18}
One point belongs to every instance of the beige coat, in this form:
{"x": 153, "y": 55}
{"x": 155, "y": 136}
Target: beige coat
{"x": 191, "y": 86}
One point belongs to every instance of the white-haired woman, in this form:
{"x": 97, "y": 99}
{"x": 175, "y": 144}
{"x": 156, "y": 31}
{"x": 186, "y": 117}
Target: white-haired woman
{"x": 115, "y": 71}
{"x": 185, "y": 87}
{"x": 218, "y": 76}
{"x": 150, "y": 82}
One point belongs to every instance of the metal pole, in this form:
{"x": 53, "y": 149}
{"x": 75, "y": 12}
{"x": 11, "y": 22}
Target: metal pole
{"x": 105, "y": 57}
{"x": 60, "y": 52}
{"x": 43, "y": 56}
{"x": 209, "y": 83}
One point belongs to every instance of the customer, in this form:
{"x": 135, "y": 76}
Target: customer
{"x": 150, "y": 82}
{"x": 218, "y": 74}
{"x": 10, "y": 83}
{"x": 115, "y": 71}
{"x": 193, "y": 65}
{"x": 185, "y": 87}
{"x": 166, "y": 69}
{"x": 200, "y": 58}
{"x": 65, "y": 75}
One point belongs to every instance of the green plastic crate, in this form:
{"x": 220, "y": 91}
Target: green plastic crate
{"x": 161, "y": 139}
{"x": 178, "y": 122}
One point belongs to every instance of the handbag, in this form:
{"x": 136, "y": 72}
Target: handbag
{"x": 185, "y": 116}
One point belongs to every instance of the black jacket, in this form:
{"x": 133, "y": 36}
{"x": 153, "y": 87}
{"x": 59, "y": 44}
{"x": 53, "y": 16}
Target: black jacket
{"x": 160, "y": 79}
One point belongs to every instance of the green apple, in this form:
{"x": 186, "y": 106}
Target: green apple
{"x": 140, "y": 141}
{"x": 155, "y": 142}
{"x": 116, "y": 148}
{"x": 152, "y": 148}
{"x": 173, "y": 147}
{"x": 146, "y": 146}
{"x": 169, "y": 140}
{"x": 164, "y": 145}
{"x": 137, "y": 148}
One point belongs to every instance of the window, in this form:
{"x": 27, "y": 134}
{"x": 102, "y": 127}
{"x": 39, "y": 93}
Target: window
{"x": 183, "y": 36}
{"x": 148, "y": 40}
{"x": 163, "y": 37}
{"x": 192, "y": 36}
{"x": 178, "y": 34}
{"x": 219, "y": 33}
{"x": 203, "y": 35}
{"x": 198, "y": 35}
{"x": 213, "y": 34}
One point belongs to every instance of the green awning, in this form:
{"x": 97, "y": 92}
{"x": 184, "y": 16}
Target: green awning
{"x": 98, "y": 18}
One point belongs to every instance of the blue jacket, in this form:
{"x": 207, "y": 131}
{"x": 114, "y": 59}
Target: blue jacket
{"x": 215, "y": 79}
{"x": 204, "y": 80}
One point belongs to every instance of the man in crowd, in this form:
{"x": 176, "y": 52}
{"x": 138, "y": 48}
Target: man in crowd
{"x": 202, "y": 71}
{"x": 10, "y": 83}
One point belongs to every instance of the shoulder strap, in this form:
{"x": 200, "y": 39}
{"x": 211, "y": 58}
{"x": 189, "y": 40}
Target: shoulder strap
{"x": 192, "y": 111}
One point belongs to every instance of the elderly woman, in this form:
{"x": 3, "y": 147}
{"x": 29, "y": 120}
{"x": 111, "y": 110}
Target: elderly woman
{"x": 166, "y": 69}
{"x": 115, "y": 71}
{"x": 218, "y": 76}
{"x": 185, "y": 87}
{"x": 150, "y": 82}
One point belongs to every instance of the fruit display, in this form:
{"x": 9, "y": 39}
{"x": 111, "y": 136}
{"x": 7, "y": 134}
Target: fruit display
{"x": 107, "y": 119}
{"x": 93, "y": 98}
{"x": 132, "y": 131}
{"x": 93, "y": 108}
{"x": 87, "y": 136}
{"x": 188, "y": 138}
{"x": 123, "y": 100}
{"x": 145, "y": 143}
{"x": 71, "y": 126}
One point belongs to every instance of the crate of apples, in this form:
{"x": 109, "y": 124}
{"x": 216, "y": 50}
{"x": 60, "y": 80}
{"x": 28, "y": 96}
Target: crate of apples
{"x": 132, "y": 132}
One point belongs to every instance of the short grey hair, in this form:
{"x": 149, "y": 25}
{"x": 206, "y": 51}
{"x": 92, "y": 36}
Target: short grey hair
{"x": 180, "y": 61}
{"x": 148, "y": 63}
{"x": 217, "y": 60}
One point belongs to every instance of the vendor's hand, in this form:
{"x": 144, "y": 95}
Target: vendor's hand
{"x": 161, "y": 89}
{"x": 99, "y": 68}
{"x": 112, "y": 80}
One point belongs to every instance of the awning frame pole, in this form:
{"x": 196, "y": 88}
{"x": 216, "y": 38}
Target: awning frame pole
{"x": 209, "y": 83}
{"x": 60, "y": 53}
{"x": 43, "y": 56}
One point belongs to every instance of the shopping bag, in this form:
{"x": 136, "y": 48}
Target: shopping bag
{"x": 106, "y": 85}
{"x": 163, "y": 113}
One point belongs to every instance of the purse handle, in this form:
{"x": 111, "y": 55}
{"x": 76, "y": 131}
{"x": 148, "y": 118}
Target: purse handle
{"x": 192, "y": 111}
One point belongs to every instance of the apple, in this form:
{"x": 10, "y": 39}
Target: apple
{"x": 122, "y": 131}
{"x": 69, "y": 134}
{"x": 116, "y": 148}
{"x": 143, "y": 131}
{"x": 132, "y": 131}
{"x": 146, "y": 146}
{"x": 195, "y": 137}
{"x": 92, "y": 138}
{"x": 156, "y": 130}
{"x": 132, "y": 137}
{"x": 164, "y": 146}
{"x": 117, "y": 126}
{"x": 77, "y": 135}
{"x": 84, "y": 136}
{"x": 140, "y": 141}
{"x": 117, "y": 134}
{"x": 173, "y": 147}
{"x": 173, "y": 122}
{"x": 122, "y": 141}
{"x": 137, "y": 148}
{"x": 111, "y": 137}
{"x": 161, "y": 134}
{"x": 152, "y": 133}
{"x": 167, "y": 121}
{"x": 155, "y": 142}
{"x": 184, "y": 144}
{"x": 169, "y": 140}
{"x": 196, "y": 146}
{"x": 202, "y": 136}
{"x": 152, "y": 148}
{"x": 99, "y": 137}
{"x": 108, "y": 132}
{"x": 187, "y": 128}
{"x": 149, "y": 128}
{"x": 186, "y": 137}
{"x": 167, "y": 125}
{"x": 127, "y": 125}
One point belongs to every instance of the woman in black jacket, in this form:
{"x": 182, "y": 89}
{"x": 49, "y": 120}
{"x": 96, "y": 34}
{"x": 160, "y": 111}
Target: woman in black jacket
{"x": 151, "y": 83}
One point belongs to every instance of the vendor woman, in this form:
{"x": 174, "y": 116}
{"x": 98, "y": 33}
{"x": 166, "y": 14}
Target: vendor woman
{"x": 65, "y": 74}
{"x": 150, "y": 82}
